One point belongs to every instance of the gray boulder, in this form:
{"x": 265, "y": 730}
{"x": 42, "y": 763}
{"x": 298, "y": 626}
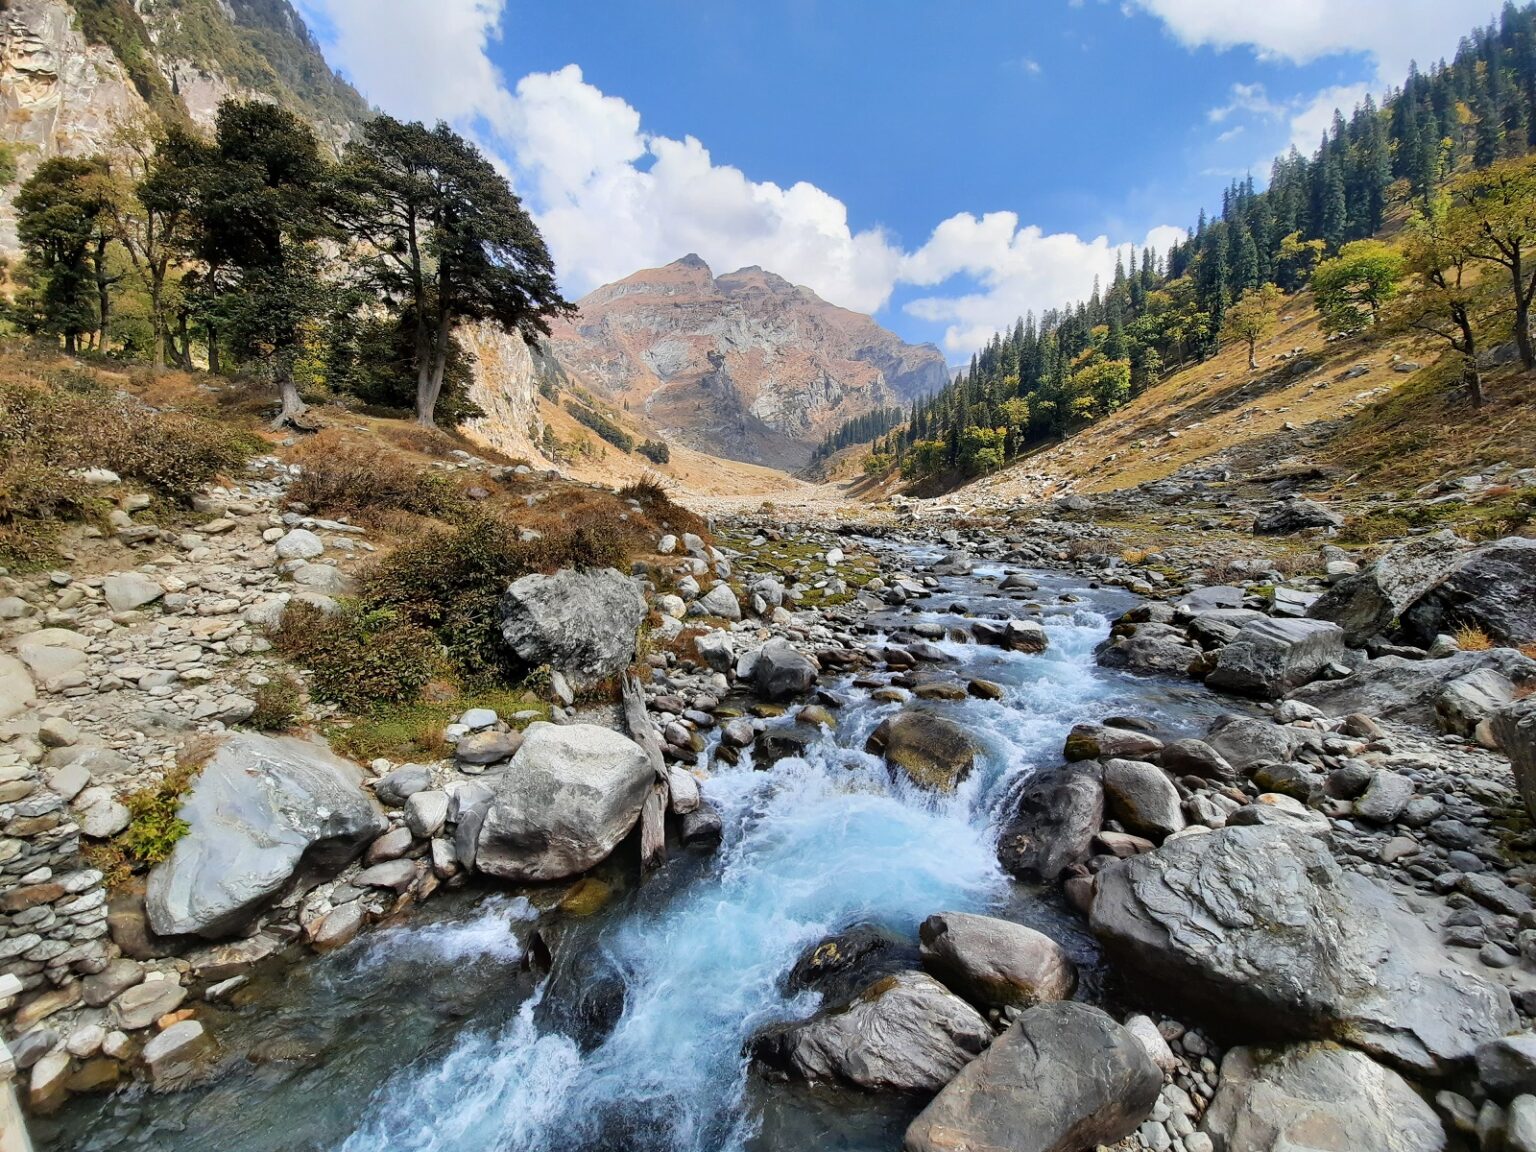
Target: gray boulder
{"x": 125, "y": 591}
{"x": 263, "y": 810}
{"x": 906, "y": 1032}
{"x": 1469, "y": 700}
{"x": 1093, "y": 741}
{"x": 1492, "y": 587}
{"x": 580, "y": 623}
{"x": 1270, "y": 657}
{"x": 721, "y": 601}
{"x": 1065, "y": 1077}
{"x": 1514, "y": 727}
{"x": 1209, "y": 598}
{"x": 17, "y": 692}
{"x": 1054, "y": 822}
{"x": 1396, "y": 688}
{"x": 1317, "y": 1096}
{"x": 1385, "y": 797}
{"x": 1191, "y": 757}
{"x": 1152, "y": 649}
{"x": 781, "y": 671}
{"x": 995, "y": 963}
{"x": 1262, "y": 928}
{"x": 1220, "y": 626}
{"x": 1507, "y": 1066}
{"x": 564, "y": 802}
{"x": 932, "y": 752}
{"x": 1293, "y": 516}
{"x": 1142, "y": 798}
{"x": 1247, "y": 741}
{"x": 1365, "y": 605}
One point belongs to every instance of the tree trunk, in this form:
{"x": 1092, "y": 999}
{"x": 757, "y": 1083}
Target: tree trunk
{"x": 71, "y": 345}
{"x": 1253, "y": 355}
{"x": 214, "y": 364}
{"x": 1523, "y": 333}
{"x": 426, "y": 402}
{"x": 293, "y": 403}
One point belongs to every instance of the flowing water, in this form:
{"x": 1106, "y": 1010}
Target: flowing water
{"x": 431, "y": 1037}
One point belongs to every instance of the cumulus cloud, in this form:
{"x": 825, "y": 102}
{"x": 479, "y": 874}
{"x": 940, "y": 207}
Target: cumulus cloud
{"x": 612, "y": 198}
{"x": 1249, "y": 98}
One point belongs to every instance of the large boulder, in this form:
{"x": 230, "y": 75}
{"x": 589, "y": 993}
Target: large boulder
{"x": 906, "y": 1032}
{"x": 1514, "y": 727}
{"x": 1492, "y": 587}
{"x": 995, "y": 963}
{"x": 1063, "y": 1078}
{"x": 17, "y": 692}
{"x": 564, "y": 802}
{"x": 1142, "y": 798}
{"x": 1054, "y": 821}
{"x": 932, "y": 752}
{"x": 263, "y": 810}
{"x": 781, "y": 671}
{"x": 1365, "y": 605}
{"x": 1153, "y": 649}
{"x": 1396, "y": 688}
{"x": 1272, "y": 656}
{"x": 580, "y": 623}
{"x": 1260, "y": 928}
{"x": 1317, "y": 1096}
{"x": 1294, "y": 515}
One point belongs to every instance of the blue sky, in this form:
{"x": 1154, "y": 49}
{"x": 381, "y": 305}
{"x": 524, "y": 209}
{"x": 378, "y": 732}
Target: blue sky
{"x": 943, "y": 166}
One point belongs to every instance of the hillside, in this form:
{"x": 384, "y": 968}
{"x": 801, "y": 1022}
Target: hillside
{"x": 744, "y": 365}
{"x": 70, "y": 70}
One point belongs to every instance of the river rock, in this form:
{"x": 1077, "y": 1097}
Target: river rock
{"x": 125, "y": 591}
{"x": 995, "y": 963}
{"x": 1247, "y": 741}
{"x": 1272, "y": 656}
{"x": 1396, "y": 688}
{"x": 564, "y": 802}
{"x": 721, "y": 601}
{"x": 1317, "y": 1096}
{"x": 1142, "y": 798}
{"x": 261, "y": 807}
{"x": 580, "y": 623}
{"x": 1054, "y": 821}
{"x": 1367, "y": 604}
{"x": 142, "y": 1004}
{"x": 1385, "y": 798}
{"x": 1507, "y": 1066}
{"x": 17, "y": 692}
{"x": 905, "y": 1033}
{"x": 1065, "y": 1077}
{"x": 395, "y": 788}
{"x": 1493, "y": 588}
{"x": 1153, "y": 649}
{"x": 781, "y": 671}
{"x": 1190, "y": 757}
{"x": 932, "y": 752}
{"x": 1262, "y": 928}
{"x": 177, "y": 1053}
{"x": 1469, "y": 700}
{"x": 1099, "y": 741}
{"x": 1025, "y": 636}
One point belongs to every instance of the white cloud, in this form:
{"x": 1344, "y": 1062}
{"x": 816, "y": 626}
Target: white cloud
{"x": 1391, "y": 32}
{"x": 611, "y": 198}
{"x": 1018, "y": 269}
{"x": 1249, "y": 98}
{"x": 1230, "y": 134}
{"x": 1312, "y": 119}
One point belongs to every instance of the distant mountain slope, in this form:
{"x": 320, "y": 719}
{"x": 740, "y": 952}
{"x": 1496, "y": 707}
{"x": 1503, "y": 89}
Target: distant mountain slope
{"x": 744, "y": 365}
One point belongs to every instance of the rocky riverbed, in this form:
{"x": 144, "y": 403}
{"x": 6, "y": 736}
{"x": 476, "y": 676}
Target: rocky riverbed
{"x": 903, "y": 836}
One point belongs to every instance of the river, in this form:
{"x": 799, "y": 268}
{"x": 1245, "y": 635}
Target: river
{"x": 431, "y": 1036}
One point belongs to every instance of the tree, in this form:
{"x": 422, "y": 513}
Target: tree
{"x": 60, "y": 211}
{"x": 153, "y": 215}
{"x": 1441, "y": 297}
{"x": 1296, "y": 260}
{"x": 1493, "y": 213}
{"x": 1352, "y": 287}
{"x": 452, "y": 241}
{"x": 1252, "y": 318}
{"x": 260, "y": 204}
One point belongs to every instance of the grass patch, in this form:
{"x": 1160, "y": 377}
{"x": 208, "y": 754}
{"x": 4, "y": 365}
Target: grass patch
{"x": 154, "y": 824}
{"x": 1470, "y": 638}
{"x": 414, "y": 731}
{"x": 362, "y": 482}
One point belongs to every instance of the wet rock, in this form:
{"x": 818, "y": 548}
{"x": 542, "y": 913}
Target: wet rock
{"x": 1271, "y": 657}
{"x": 337, "y": 927}
{"x": 1054, "y": 822}
{"x": 995, "y": 963}
{"x": 781, "y": 671}
{"x": 1063, "y": 1078}
{"x": 702, "y": 828}
{"x": 260, "y": 808}
{"x": 1101, "y": 741}
{"x": 1142, "y": 798}
{"x": 1191, "y": 757}
{"x": 932, "y": 752}
{"x": 565, "y": 801}
{"x": 1261, "y": 925}
{"x": 178, "y": 1053}
{"x": 838, "y": 966}
{"x": 905, "y": 1033}
{"x": 143, "y": 1004}
{"x": 582, "y": 623}
{"x": 1317, "y": 1096}
{"x": 1395, "y": 688}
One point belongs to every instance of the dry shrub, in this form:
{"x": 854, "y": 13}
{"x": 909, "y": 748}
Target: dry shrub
{"x": 361, "y": 657}
{"x": 278, "y": 703}
{"x": 347, "y": 479}
{"x": 1471, "y": 638}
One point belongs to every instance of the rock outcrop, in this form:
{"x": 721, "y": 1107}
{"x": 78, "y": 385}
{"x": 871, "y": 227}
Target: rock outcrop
{"x": 582, "y": 624}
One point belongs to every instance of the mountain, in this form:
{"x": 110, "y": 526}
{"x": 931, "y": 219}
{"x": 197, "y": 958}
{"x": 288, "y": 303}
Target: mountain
{"x": 744, "y": 365}
{"x": 70, "y": 69}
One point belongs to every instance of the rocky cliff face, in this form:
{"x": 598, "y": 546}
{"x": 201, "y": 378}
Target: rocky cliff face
{"x": 507, "y": 378}
{"x": 745, "y": 365}
{"x": 63, "y": 85}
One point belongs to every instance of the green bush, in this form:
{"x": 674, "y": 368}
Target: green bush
{"x": 600, "y": 424}
{"x": 655, "y": 451}
{"x": 361, "y": 657}
{"x": 278, "y": 703}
